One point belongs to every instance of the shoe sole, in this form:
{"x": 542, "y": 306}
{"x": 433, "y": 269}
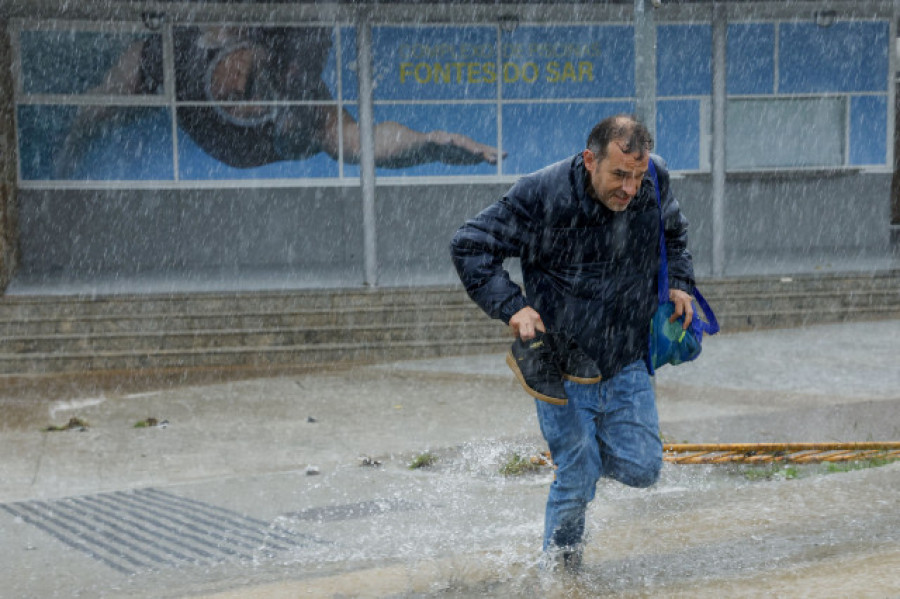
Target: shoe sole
{"x": 511, "y": 362}
{"x": 582, "y": 380}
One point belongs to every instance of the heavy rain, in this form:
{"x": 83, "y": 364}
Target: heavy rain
{"x": 262, "y": 265}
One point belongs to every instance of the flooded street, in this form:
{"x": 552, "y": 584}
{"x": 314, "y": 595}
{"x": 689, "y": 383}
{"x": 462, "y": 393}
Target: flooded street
{"x": 302, "y": 486}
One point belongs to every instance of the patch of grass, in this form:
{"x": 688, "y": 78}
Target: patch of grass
{"x": 423, "y": 460}
{"x": 772, "y": 472}
{"x": 516, "y": 465}
{"x": 73, "y": 424}
{"x": 834, "y": 467}
{"x": 146, "y": 423}
{"x": 782, "y": 471}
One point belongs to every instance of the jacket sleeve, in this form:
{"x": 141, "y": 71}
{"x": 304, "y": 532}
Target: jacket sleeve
{"x": 675, "y": 226}
{"x": 478, "y": 249}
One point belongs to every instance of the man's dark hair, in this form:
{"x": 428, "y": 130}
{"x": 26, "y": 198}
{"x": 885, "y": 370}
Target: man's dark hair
{"x": 621, "y": 127}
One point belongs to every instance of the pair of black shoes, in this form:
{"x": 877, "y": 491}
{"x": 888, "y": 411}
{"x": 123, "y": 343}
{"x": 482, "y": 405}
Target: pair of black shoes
{"x": 542, "y": 363}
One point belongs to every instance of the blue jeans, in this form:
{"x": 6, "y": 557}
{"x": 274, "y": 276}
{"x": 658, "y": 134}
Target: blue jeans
{"x": 607, "y": 429}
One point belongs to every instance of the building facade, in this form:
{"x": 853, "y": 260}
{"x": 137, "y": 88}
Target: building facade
{"x": 227, "y": 145}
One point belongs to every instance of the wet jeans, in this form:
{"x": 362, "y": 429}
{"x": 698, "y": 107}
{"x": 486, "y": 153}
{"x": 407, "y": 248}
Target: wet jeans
{"x": 607, "y": 429}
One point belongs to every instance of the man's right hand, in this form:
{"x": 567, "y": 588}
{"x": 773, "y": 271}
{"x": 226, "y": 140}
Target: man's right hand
{"x": 525, "y": 322}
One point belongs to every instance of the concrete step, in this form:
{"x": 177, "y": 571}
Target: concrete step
{"x": 737, "y": 322}
{"x": 816, "y": 301}
{"x": 40, "y": 335}
{"x": 803, "y": 283}
{"x": 479, "y": 326}
{"x": 31, "y": 307}
{"x": 102, "y": 324}
{"x": 48, "y": 315}
{"x": 174, "y": 339}
{"x": 411, "y": 315}
{"x": 16, "y": 335}
{"x": 229, "y": 357}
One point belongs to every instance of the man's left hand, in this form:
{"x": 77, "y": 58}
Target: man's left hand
{"x": 683, "y": 307}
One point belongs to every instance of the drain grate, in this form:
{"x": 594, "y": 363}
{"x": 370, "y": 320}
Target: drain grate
{"x": 149, "y": 529}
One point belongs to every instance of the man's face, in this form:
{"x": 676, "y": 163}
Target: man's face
{"x": 617, "y": 178}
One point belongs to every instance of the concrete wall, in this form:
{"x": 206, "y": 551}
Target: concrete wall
{"x": 314, "y": 236}
{"x": 302, "y": 233}
{"x": 789, "y": 217}
{"x": 414, "y": 226}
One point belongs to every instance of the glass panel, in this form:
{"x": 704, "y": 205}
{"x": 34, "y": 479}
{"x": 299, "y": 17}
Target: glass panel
{"x": 684, "y": 60}
{"x": 751, "y": 58}
{"x": 252, "y": 64}
{"x": 95, "y": 143}
{"x": 348, "y": 73}
{"x": 479, "y": 122}
{"x": 785, "y": 133}
{"x": 678, "y": 133}
{"x": 214, "y": 143}
{"x": 568, "y": 62}
{"x": 248, "y": 78}
{"x": 845, "y": 57}
{"x": 434, "y": 63}
{"x": 868, "y": 130}
{"x": 534, "y": 135}
{"x": 81, "y": 62}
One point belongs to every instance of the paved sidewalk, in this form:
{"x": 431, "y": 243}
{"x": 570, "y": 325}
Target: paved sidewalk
{"x": 299, "y": 485}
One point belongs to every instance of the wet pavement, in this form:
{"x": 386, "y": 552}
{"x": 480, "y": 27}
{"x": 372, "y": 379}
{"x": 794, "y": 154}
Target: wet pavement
{"x": 299, "y": 485}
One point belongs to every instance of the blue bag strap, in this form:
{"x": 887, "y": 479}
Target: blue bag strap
{"x": 662, "y": 278}
{"x": 711, "y": 327}
{"x": 662, "y": 281}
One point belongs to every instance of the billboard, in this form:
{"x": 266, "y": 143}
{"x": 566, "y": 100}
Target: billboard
{"x": 233, "y": 102}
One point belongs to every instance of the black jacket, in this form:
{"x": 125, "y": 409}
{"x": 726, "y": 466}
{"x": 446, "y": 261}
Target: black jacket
{"x": 588, "y": 271}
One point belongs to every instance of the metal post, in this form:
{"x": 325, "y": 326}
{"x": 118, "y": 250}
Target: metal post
{"x": 645, "y": 72}
{"x": 718, "y": 158}
{"x": 893, "y": 66}
{"x": 367, "y": 146}
{"x": 645, "y": 64}
{"x": 893, "y": 144}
